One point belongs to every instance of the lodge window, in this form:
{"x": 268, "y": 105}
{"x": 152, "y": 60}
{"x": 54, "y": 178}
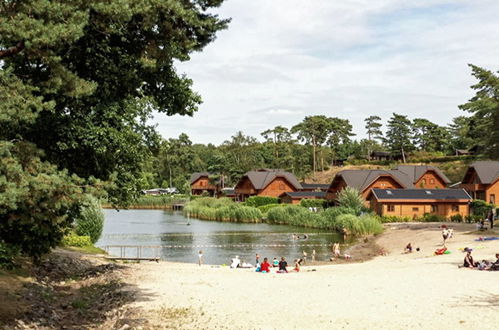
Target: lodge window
{"x": 424, "y": 181}
{"x": 434, "y": 208}
{"x": 391, "y": 208}
{"x": 432, "y": 180}
{"x": 492, "y": 199}
{"x": 455, "y": 208}
{"x": 415, "y": 209}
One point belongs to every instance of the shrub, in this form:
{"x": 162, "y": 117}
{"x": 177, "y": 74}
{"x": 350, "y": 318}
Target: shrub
{"x": 432, "y": 218}
{"x": 159, "y": 201}
{"x": 221, "y": 209}
{"x": 90, "y": 221}
{"x": 7, "y": 255}
{"x": 456, "y": 218}
{"x": 351, "y": 198}
{"x": 480, "y": 208}
{"x": 256, "y": 201}
{"x": 307, "y": 202}
{"x": 354, "y": 225}
{"x": 75, "y": 240}
{"x": 392, "y": 218}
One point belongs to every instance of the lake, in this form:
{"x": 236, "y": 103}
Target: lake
{"x": 181, "y": 238}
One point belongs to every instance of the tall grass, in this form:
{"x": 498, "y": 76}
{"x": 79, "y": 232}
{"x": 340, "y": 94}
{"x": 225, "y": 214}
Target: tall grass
{"x": 341, "y": 219}
{"x": 157, "y": 202}
{"x": 221, "y": 209}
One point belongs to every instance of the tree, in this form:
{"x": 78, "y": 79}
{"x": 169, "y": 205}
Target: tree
{"x": 340, "y": 131}
{"x": 278, "y": 136}
{"x": 485, "y": 109}
{"x": 460, "y": 131}
{"x": 314, "y": 130}
{"x": 398, "y": 135}
{"x": 91, "y": 73}
{"x": 373, "y": 128}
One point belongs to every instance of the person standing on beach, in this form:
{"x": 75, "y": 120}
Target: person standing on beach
{"x": 336, "y": 248}
{"x": 304, "y": 257}
{"x": 200, "y": 257}
{"x": 445, "y": 234}
{"x": 313, "y": 255}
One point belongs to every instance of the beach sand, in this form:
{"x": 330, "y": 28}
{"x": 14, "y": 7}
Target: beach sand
{"x": 396, "y": 291}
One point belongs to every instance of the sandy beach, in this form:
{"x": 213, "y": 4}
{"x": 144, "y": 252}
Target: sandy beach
{"x": 396, "y": 291}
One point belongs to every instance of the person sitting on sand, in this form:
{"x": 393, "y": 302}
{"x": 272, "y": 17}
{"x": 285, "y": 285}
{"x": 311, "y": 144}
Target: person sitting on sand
{"x": 265, "y": 266}
{"x": 236, "y": 262}
{"x": 468, "y": 259}
{"x": 495, "y": 265}
{"x": 257, "y": 260}
{"x": 408, "y": 248}
{"x": 275, "y": 262}
{"x": 484, "y": 265}
{"x": 337, "y": 252}
{"x": 297, "y": 265}
{"x": 282, "y": 266}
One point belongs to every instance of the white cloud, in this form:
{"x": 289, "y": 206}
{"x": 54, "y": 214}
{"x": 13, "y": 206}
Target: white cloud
{"x": 281, "y": 60}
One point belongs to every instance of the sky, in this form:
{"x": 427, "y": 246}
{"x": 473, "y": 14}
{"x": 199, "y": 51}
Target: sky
{"x": 282, "y": 60}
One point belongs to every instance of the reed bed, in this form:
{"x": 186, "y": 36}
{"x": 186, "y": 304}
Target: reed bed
{"x": 222, "y": 209}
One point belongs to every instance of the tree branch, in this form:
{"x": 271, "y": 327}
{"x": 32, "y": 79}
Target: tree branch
{"x": 12, "y": 50}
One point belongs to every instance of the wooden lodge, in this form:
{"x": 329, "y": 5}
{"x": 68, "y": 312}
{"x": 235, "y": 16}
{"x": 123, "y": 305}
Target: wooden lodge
{"x": 296, "y": 197}
{"x": 481, "y": 181}
{"x": 415, "y": 203}
{"x": 266, "y": 182}
{"x": 403, "y": 177}
{"x": 314, "y": 187}
{"x": 201, "y": 183}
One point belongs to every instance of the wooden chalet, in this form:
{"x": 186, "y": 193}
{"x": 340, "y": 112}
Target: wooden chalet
{"x": 416, "y": 203}
{"x": 380, "y": 155}
{"x": 403, "y": 177}
{"x": 425, "y": 176}
{"x": 296, "y": 197}
{"x": 365, "y": 180}
{"x": 481, "y": 181}
{"x": 201, "y": 183}
{"x": 266, "y": 182}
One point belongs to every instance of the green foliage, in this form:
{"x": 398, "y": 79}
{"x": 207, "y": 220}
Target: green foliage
{"x": 391, "y": 218}
{"x": 432, "y": 218}
{"x": 354, "y": 225}
{"x": 159, "y": 201}
{"x": 457, "y": 218}
{"x": 37, "y": 202}
{"x": 75, "y": 240}
{"x": 483, "y": 127}
{"x": 90, "y": 221}
{"x": 308, "y": 202}
{"x": 398, "y": 136}
{"x": 256, "y": 201}
{"x": 265, "y": 208}
{"x": 480, "y": 208}
{"x": 221, "y": 209}
{"x": 83, "y": 78}
{"x": 294, "y": 215}
{"x": 351, "y": 198}
{"x": 7, "y": 255}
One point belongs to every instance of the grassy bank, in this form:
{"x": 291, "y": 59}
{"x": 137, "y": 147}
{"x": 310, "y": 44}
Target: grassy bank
{"x": 222, "y": 209}
{"x": 160, "y": 202}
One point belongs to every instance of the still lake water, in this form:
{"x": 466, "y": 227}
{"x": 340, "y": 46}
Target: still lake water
{"x": 219, "y": 241}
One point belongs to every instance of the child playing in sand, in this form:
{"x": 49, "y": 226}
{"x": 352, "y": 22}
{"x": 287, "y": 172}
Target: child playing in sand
{"x": 275, "y": 262}
{"x": 297, "y": 265}
{"x": 408, "y": 248}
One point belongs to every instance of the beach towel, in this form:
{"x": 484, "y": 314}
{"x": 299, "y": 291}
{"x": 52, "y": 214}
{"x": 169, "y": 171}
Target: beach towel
{"x": 487, "y": 239}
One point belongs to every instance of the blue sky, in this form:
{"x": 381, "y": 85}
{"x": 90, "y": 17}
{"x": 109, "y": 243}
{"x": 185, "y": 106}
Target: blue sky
{"x": 282, "y": 60}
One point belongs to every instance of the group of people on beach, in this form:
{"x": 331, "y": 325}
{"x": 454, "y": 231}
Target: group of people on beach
{"x": 282, "y": 265}
{"x": 482, "y": 265}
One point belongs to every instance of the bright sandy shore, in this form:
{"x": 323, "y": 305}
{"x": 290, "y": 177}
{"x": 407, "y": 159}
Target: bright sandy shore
{"x": 397, "y": 291}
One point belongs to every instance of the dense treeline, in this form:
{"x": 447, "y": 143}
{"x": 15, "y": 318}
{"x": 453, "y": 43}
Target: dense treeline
{"x": 318, "y": 141}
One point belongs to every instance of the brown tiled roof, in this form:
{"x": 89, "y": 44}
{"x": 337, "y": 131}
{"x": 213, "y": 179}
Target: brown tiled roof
{"x": 361, "y": 179}
{"x": 417, "y": 171}
{"x": 421, "y": 194}
{"x": 196, "y": 176}
{"x": 261, "y": 179}
{"x": 487, "y": 170}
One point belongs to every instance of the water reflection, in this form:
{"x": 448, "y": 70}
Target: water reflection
{"x": 220, "y": 241}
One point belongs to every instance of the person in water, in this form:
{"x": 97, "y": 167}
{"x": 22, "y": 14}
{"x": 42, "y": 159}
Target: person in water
{"x": 265, "y": 266}
{"x": 282, "y": 265}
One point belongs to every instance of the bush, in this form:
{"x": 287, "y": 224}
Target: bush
{"x": 392, "y": 218}
{"x": 7, "y": 255}
{"x": 75, "y": 240}
{"x": 256, "y": 201}
{"x": 480, "y": 208}
{"x": 351, "y": 198}
{"x": 90, "y": 220}
{"x": 159, "y": 201}
{"x": 433, "y": 218}
{"x": 306, "y": 202}
{"x": 456, "y": 218}
{"x": 354, "y": 225}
